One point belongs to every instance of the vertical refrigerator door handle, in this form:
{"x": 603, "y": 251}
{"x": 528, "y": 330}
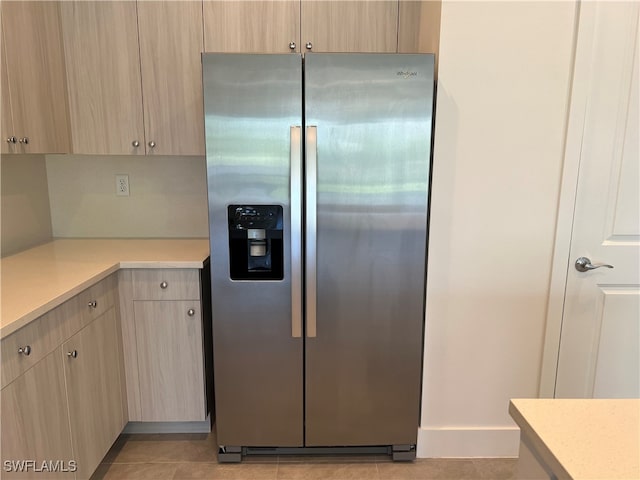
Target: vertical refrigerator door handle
{"x": 311, "y": 254}
{"x": 295, "y": 158}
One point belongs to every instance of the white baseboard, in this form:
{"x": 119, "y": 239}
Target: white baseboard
{"x": 457, "y": 442}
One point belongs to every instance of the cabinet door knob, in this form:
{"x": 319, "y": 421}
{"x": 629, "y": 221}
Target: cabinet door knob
{"x": 24, "y": 140}
{"x": 191, "y": 312}
{"x": 12, "y": 139}
{"x": 135, "y": 143}
{"x": 152, "y": 144}
{"x": 309, "y": 45}
{"x": 93, "y": 304}
{"x": 72, "y": 354}
{"x": 164, "y": 285}
{"x": 292, "y": 45}
{"x": 26, "y": 350}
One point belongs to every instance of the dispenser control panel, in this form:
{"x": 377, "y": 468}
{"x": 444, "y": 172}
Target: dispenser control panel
{"x": 245, "y": 217}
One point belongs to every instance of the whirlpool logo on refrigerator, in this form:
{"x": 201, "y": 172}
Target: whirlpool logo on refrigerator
{"x": 406, "y": 74}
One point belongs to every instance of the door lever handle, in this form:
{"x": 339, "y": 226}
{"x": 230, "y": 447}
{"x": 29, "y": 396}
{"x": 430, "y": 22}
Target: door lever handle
{"x": 583, "y": 264}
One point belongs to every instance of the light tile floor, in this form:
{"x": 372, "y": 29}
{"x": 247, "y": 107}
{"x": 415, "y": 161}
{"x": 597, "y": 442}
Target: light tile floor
{"x": 193, "y": 456}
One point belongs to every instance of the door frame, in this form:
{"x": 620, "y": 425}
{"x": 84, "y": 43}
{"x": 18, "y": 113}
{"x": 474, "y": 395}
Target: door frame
{"x": 584, "y": 69}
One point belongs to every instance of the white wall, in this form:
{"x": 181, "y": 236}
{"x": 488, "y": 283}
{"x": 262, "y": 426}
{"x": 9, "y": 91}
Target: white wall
{"x": 168, "y": 196}
{"x": 503, "y": 95}
{"x": 26, "y": 220}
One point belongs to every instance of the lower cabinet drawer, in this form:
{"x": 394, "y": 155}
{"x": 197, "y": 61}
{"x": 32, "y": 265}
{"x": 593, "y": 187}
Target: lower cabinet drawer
{"x": 24, "y": 348}
{"x": 98, "y": 299}
{"x": 166, "y": 284}
{"x": 28, "y": 345}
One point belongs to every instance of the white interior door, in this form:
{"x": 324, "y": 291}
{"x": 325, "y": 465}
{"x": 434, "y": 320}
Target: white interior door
{"x": 599, "y": 352}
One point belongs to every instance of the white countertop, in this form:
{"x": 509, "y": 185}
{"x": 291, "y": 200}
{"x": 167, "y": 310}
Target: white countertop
{"x": 583, "y": 438}
{"x": 36, "y": 280}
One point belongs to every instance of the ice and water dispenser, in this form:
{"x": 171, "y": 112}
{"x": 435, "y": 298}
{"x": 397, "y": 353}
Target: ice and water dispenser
{"x": 255, "y": 242}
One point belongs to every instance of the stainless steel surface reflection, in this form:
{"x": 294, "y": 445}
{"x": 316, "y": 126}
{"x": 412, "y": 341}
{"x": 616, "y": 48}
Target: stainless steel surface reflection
{"x": 352, "y": 377}
{"x": 251, "y": 101}
{"x": 373, "y": 114}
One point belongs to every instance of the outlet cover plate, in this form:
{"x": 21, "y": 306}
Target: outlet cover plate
{"x": 122, "y": 185}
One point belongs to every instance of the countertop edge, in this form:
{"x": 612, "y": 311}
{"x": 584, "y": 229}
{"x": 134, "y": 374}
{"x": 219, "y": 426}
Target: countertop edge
{"x": 529, "y": 436}
{"x": 17, "y": 324}
{"x": 109, "y": 268}
{"x": 580, "y": 438}
{"x": 150, "y": 264}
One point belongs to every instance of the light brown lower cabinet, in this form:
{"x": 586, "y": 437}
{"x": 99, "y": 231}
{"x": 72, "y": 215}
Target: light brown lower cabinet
{"x": 63, "y": 399}
{"x": 35, "y": 422}
{"x": 162, "y": 325}
{"x": 94, "y": 391}
{"x": 63, "y": 404}
{"x": 169, "y": 348}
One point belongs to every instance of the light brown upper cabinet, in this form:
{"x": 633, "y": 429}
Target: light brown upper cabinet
{"x": 103, "y": 74}
{"x": 9, "y": 139}
{"x": 419, "y": 27}
{"x": 33, "y": 83}
{"x": 170, "y": 48}
{"x": 349, "y": 26}
{"x": 269, "y": 26}
{"x": 134, "y": 76}
{"x": 263, "y": 26}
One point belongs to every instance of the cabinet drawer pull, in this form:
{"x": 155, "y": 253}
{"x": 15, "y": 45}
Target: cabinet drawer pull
{"x": 12, "y": 139}
{"x": 93, "y": 304}
{"x": 26, "y": 350}
{"x": 164, "y": 285}
{"x": 72, "y": 354}
{"x": 24, "y": 140}
{"x": 191, "y": 312}
{"x": 135, "y": 143}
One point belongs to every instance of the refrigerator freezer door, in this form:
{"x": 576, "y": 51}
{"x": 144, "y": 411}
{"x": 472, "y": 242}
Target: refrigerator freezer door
{"x": 363, "y": 367}
{"x": 251, "y": 104}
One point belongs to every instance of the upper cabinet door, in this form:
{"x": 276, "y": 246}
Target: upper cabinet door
{"x": 350, "y": 26}
{"x": 103, "y": 73}
{"x": 419, "y": 27}
{"x": 9, "y": 139}
{"x": 264, "y": 26}
{"x": 35, "y": 77}
{"x": 170, "y": 48}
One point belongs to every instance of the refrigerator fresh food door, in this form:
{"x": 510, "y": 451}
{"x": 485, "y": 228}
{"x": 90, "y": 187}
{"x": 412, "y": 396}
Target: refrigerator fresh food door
{"x": 253, "y": 119}
{"x": 368, "y": 127}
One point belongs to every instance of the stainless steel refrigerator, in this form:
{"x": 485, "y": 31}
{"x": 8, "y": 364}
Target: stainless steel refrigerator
{"x": 318, "y": 178}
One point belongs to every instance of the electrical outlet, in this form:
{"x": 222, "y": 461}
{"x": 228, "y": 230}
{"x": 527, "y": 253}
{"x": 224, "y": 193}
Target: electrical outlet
{"x": 122, "y": 185}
